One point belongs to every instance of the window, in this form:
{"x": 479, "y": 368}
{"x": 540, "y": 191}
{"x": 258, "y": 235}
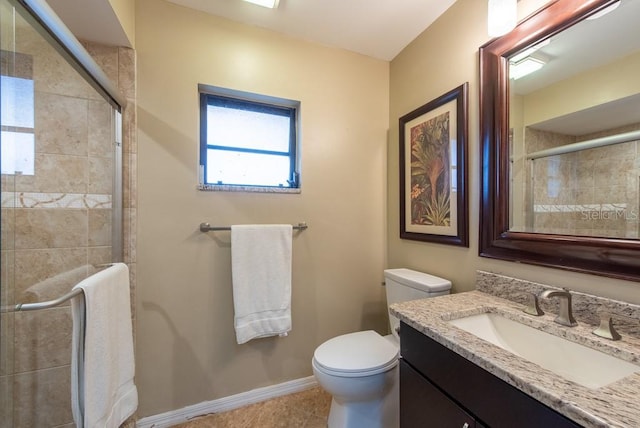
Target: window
{"x": 17, "y": 151}
{"x": 247, "y": 140}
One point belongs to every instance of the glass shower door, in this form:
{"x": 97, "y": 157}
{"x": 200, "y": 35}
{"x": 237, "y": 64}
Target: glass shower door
{"x": 8, "y": 73}
{"x": 58, "y": 154}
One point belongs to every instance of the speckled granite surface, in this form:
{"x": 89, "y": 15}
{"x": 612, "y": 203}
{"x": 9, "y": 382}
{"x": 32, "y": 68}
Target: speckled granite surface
{"x": 614, "y": 405}
{"x": 586, "y": 307}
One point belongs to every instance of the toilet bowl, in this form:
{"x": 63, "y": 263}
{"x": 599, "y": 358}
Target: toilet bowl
{"x": 360, "y": 370}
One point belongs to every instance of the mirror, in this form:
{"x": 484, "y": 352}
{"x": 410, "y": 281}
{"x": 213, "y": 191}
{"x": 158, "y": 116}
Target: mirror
{"x": 560, "y": 147}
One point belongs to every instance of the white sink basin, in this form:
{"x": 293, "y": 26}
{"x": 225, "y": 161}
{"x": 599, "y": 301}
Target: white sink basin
{"x": 585, "y": 366}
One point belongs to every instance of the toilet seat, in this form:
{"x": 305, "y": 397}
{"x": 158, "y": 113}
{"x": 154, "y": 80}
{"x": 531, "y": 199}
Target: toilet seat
{"x": 364, "y": 353}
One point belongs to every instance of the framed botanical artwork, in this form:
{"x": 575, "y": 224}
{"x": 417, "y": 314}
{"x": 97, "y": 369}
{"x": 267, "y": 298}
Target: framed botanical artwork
{"x": 433, "y": 170}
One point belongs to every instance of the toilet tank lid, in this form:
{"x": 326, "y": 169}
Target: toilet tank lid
{"x": 418, "y": 280}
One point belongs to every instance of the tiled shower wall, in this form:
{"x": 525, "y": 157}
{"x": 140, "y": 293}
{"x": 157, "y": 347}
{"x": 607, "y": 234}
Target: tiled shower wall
{"x": 591, "y": 192}
{"x": 57, "y": 226}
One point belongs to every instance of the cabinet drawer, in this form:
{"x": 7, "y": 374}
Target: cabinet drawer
{"x": 488, "y": 398}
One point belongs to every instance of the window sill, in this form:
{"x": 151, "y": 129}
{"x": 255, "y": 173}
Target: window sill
{"x": 251, "y": 189}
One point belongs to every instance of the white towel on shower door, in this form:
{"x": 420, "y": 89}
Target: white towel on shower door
{"x": 102, "y": 366}
{"x": 261, "y": 271}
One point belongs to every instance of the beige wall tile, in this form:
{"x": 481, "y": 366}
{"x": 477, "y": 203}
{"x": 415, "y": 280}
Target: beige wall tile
{"x": 51, "y": 72}
{"x": 129, "y": 181}
{"x": 584, "y": 174}
{"x": 100, "y": 175}
{"x": 100, "y": 227}
{"x": 7, "y": 183}
{"x": 99, "y": 255}
{"x": 100, "y": 129}
{"x": 127, "y": 72}
{"x": 106, "y": 57}
{"x": 585, "y": 195}
{"x": 6, "y": 402}
{"x": 56, "y": 174}
{"x": 60, "y": 124}
{"x": 50, "y": 228}
{"x": 8, "y": 227}
{"x": 610, "y": 193}
{"x": 129, "y": 131}
{"x": 44, "y": 274}
{"x": 7, "y": 326}
{"x": 42, "y": 339}
{"x": 42, "y": 398}
{"x": 129, "y": 226}
{"x": 7, "y": 276}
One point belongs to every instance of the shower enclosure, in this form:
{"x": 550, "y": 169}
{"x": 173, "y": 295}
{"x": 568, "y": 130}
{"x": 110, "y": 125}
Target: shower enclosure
{"x": 61, "y": 203}
{"x": 586, "y": 185}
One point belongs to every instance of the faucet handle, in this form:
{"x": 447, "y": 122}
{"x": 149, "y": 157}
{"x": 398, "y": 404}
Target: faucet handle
{"x": 534, "y": 307}
{"x": 606, "y": 329}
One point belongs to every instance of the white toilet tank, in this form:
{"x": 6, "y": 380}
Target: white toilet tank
{"x": 405, "y": 284}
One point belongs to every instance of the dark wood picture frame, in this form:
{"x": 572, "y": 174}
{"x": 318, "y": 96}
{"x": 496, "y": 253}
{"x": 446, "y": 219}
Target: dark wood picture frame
{"x": 611, "y": 257}
{"x": 433, "y": 170}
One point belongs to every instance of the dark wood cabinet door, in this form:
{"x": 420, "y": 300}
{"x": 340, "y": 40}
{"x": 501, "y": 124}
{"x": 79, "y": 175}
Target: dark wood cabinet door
{"x": 422, "y": 405}
{"x": 488, "y": 398}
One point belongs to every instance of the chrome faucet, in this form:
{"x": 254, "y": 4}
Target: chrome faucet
{"x": 565, "y": 313}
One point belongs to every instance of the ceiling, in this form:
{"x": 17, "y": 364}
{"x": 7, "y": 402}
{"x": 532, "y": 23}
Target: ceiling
{"x": 382, "y": 28}
{"x": 376, "y": 28}
{"x": 91, "y": 20}
{"x": 585, "y": 46}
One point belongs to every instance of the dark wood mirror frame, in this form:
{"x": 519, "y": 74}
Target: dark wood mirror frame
{"x": 617, "y": 258}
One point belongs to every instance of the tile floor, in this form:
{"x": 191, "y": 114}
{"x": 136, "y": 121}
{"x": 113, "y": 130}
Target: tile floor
{"x": 306, "y": 409}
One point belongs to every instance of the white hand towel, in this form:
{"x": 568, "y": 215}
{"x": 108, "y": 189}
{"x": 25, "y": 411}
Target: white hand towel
{"x": 102, "y": 366}
{"x": 261, "y": 270}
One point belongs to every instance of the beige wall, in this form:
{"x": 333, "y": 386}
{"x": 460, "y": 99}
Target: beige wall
{"x": 186, "y": 350}
{"x": 440, "y": 59}
{"x": 607, "y": 83}
{"x": 125, "y": 12}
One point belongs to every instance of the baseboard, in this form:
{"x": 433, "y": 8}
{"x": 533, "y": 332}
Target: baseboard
{"x": 224, "y": 404}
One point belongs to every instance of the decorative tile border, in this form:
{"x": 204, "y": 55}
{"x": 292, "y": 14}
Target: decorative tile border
{"x": 565, "y": 208}
{"x": 55, "y": 200}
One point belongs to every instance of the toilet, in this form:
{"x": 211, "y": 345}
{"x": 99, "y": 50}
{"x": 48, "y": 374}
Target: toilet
{"x": 360, "y": 369}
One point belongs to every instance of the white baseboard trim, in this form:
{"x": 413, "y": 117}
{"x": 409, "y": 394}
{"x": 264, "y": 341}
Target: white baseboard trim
{"x": 224, "y": 404}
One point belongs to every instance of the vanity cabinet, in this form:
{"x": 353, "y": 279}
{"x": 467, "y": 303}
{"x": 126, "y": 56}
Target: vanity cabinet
{"x": 439, "y": 388}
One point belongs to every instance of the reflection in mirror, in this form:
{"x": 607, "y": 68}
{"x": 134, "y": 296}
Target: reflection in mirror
{"x": 574, "y": 124}
{"x": 554, "y": 192}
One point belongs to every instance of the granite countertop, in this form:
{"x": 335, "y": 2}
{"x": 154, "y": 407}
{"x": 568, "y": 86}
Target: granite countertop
{"x": 613, "y": 405}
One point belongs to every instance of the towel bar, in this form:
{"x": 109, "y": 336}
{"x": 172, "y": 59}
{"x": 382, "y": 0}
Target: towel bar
{"x": 206, "y": 227}
{"x": 22, "y": 307}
